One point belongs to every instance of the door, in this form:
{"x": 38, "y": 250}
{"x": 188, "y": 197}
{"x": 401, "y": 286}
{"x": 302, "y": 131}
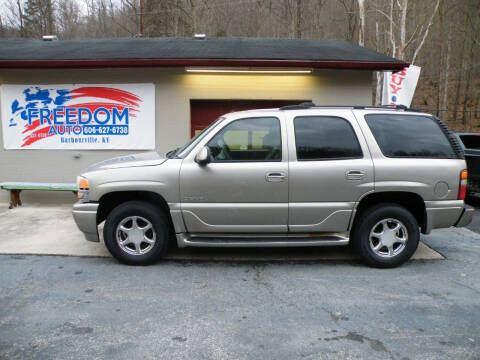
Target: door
{"x": 330, "y": 170}
{"x": 204, "y": 112}
{"x": 244, "y": 188}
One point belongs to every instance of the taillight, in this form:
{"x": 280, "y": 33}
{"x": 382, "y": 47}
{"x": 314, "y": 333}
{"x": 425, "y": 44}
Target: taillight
{"x": 462, "y": 190}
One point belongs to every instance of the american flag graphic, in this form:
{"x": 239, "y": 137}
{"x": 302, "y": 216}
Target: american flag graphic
{"x": 48, "y": 101}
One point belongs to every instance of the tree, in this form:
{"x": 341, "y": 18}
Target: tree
{"x": 351, "y": 21}
{"x": 69, "y": 20}
{"x": 441, "y": 36}
{"x": 361, "y": 14}
{"x": 38, "y": 18}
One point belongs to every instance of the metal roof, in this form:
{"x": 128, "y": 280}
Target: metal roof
{"x": 173, "y": 52}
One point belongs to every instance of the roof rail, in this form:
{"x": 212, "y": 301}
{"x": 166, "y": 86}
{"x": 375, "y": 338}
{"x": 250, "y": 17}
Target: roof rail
{"x": 310, "y": 105}
{"x": 303, "y": 105}
{"x": 397, "y": 107}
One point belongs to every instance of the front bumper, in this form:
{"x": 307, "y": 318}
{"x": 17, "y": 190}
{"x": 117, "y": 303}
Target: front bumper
{"x": 85, "y": 216}
{"x": 466, "y": 217}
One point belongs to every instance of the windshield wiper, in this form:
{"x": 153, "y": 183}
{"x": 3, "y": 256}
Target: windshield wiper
{"x": 171, "y": 154}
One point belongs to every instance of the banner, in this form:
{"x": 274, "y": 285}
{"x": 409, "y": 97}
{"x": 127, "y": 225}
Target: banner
{"x": 399, "y": 87}
{"x": 87, "y": 117}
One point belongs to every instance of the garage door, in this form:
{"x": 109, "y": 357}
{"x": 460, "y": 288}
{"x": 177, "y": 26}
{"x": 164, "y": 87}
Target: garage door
{"x": 204, "y": 112}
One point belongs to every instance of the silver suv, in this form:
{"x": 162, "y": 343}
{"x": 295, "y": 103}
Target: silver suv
{"x": 301, "y": 175}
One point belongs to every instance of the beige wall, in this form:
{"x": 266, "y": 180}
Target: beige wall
{"x": 174, "y": 88}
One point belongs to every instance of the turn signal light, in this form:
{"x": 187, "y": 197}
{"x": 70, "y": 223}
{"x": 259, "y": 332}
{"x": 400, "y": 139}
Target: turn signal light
{"x": 462, "y": 190}
{"x": 83, "y": 184}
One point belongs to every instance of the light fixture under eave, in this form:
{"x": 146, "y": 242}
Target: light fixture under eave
{"x": 248, "y": 70}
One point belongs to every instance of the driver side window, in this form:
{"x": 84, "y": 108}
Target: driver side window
{"x": 252, "y": 139}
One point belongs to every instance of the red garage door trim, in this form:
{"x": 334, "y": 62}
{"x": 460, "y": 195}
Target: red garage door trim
{"x": 107, "y": 63}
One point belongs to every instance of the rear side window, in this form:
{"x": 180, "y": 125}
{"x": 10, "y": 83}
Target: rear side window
{"x": 325, "y": 138}
{"x": 411, "y": 136}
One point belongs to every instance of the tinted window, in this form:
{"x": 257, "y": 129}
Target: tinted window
{"x": 253, "y": 139}
{"x": 409, "y": 136}
{"x": 324, "y": 137}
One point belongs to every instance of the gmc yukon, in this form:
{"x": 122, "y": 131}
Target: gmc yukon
{"x": 300, "y": 175}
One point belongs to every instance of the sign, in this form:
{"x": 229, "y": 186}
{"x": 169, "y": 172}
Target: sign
{"x": 399, "y": 87}
{"x": 87, "y": 117}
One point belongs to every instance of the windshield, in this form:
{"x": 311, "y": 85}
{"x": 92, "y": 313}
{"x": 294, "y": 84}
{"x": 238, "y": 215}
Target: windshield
{"x": 185, "y": 149}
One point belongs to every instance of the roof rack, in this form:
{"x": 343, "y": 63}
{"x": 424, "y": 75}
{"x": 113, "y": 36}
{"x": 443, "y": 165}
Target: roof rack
{"x": 310, "y": 105}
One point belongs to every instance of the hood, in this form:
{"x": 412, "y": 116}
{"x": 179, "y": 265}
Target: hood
{"x": 145, "y": 159}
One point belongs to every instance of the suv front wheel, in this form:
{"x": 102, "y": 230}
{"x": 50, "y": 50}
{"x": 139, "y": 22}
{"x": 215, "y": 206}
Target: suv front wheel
{"x": 136, "y": 233}
{"x": 386, "y": 235}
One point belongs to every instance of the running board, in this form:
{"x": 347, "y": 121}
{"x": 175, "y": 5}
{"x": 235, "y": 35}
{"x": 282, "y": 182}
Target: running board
{"x": 250, "y": 240}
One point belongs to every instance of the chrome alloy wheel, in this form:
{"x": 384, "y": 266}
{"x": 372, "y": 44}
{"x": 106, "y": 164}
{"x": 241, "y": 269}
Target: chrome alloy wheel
{"x": 388, "y": 237}
{"x": 135, "y": 235}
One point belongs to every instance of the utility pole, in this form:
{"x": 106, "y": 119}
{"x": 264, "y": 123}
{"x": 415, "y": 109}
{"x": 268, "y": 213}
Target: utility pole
{"x": 142, "y": 19}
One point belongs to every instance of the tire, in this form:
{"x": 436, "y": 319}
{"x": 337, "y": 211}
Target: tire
{"x": 381, "y": 247}
{"x": 136, "y": 233}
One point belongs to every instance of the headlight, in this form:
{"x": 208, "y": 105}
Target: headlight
{"x": 83, "y": 187}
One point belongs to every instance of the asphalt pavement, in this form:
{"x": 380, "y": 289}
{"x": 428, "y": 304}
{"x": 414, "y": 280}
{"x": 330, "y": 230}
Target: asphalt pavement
{"x": 56, "y": 307}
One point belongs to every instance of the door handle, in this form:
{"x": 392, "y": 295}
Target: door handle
{"x": 355, "y": 174}
{"x": 275, "y": 177}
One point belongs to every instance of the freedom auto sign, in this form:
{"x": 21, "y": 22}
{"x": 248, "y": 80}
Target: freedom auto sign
{"x": 89, "y": 117}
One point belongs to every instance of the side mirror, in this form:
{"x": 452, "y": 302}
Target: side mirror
{"x": 203, "y": 156}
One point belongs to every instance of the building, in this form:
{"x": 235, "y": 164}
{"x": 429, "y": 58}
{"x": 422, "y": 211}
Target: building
{"x": 184, "y": 85}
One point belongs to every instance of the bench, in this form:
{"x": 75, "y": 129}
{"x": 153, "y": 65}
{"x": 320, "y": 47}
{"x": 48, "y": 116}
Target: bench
{"x": 16, "y": 187}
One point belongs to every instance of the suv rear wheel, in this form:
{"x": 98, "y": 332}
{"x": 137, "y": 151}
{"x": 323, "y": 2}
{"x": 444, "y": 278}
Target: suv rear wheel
{"x": 136, "y": 233}
{"x": 386, "y": 235}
